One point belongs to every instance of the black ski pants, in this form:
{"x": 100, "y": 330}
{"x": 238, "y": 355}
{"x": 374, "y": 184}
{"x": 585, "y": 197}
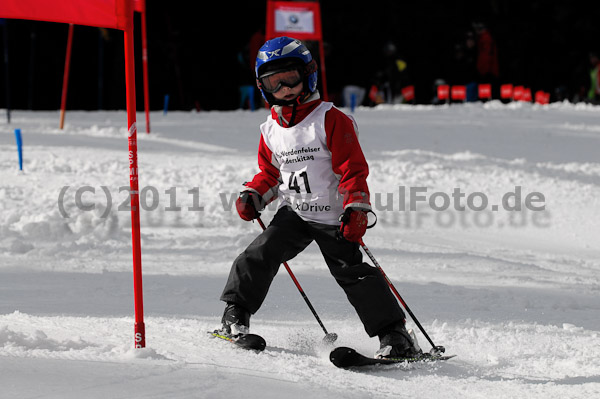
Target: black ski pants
{"x": 288, "y": 235}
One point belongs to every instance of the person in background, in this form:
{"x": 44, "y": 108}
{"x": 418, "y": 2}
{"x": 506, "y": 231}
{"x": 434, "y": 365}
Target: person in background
{"x": 391, "y": 76}
{"x": 462, "y": 70}
{"x": 246, "y": 79}
{"x": 593, "y": 94}
{"x": 487, "y": 54}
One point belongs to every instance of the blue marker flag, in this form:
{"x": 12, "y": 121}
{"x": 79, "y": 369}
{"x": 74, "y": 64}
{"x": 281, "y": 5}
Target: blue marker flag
{"x": 166, "y": 105}
{"x": 19, "y": 147}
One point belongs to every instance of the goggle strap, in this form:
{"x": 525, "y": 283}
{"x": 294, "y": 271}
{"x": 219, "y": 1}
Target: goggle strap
{"x": 310, "y": 67}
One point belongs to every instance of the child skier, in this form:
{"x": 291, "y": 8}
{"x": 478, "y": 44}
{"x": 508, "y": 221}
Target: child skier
{"x": 309, "y": 157}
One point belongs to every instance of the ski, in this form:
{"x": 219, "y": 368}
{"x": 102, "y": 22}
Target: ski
{"x": 344, "y": 357}
{"x": 245, "y": 341}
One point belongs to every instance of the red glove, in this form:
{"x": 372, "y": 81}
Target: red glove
{"x": 354, "y": 224}
{"x": 247, "y": 205}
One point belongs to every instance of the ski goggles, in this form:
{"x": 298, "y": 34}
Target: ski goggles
{"x": 274, "y": 82}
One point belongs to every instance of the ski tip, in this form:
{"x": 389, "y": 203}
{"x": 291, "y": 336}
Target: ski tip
{"x": 342, "y": 356}
{"x": 251, "y": 341}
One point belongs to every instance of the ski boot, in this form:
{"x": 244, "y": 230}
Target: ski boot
{"x": 235, "y": 321}
{"x": 397, "y": 342}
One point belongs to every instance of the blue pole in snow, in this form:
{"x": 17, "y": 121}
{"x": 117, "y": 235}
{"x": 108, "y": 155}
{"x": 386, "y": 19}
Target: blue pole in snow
{"x": 166, "y": 106}
{"x": 19, "y": 147}
{"x": 352, "y": 102}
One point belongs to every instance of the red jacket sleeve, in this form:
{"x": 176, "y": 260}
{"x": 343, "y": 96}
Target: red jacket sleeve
{"x": 265, "y": 182}
{"x": 347, "y": 159}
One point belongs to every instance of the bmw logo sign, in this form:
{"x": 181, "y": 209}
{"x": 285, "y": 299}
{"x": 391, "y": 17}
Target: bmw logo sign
{"x": 294, "y": 19}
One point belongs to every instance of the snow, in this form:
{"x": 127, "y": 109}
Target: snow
{"x": 513, "y": 293}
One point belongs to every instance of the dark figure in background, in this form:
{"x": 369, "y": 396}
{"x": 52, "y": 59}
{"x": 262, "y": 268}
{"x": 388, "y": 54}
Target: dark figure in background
{"x": 249, "y": 96}
{"x": 463, "y": 68}
{"x": 245, "y": 81}
{"x": 471, "y": 48}
{"x": 393, "y": 75}
{"x": 593, "y": 94}
{"x": 487, "y": 54}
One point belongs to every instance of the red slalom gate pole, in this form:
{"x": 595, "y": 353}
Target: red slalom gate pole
{"x": 65, "y": 87}
{"x": 140, "y": 330}
{"x": 145, "y": 68}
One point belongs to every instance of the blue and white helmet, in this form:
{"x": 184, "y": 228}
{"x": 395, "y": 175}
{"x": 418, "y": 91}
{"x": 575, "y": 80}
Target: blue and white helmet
{"x": 283, "y": 53}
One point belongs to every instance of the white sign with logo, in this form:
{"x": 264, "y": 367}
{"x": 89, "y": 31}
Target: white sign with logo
{"x": 294, "y": 21}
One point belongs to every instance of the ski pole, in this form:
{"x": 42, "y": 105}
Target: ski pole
{"x": 435, "y": 349}
{"x": 329, "y": 337}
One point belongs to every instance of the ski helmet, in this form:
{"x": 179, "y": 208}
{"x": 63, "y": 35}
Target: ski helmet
{"x": 285, "y": 54}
